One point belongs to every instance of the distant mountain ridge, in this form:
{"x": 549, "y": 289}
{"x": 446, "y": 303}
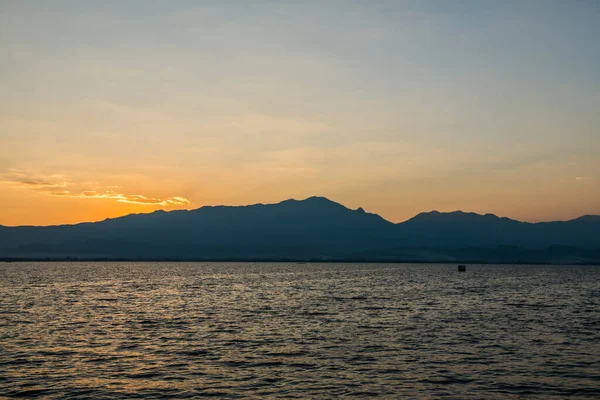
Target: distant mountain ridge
{"x": 312, "y": 229}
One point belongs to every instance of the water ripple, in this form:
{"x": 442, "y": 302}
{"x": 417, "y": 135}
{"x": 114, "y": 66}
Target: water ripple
{"x": 188, "y": 330}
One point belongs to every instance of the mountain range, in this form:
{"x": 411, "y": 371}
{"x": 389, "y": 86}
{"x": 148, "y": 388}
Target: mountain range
{"x": 312, "y": 229}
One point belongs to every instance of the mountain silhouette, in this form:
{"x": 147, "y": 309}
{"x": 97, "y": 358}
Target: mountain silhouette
{"x": 312, "y": 229}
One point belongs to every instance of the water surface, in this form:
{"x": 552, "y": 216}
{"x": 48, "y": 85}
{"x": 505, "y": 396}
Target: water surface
{"x": 238, "y": 330}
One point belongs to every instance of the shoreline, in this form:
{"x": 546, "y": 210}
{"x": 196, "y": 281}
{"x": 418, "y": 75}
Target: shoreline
{"x": 292, "y": 261}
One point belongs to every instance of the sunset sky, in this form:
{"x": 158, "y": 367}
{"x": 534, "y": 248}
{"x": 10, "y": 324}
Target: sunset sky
{"x": 115, "y": 107}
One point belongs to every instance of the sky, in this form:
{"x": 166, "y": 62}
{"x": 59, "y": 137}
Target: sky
{"x": 116, "y": 107}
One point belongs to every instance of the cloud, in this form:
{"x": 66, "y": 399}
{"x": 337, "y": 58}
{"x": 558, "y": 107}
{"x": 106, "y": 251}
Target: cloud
{"x": 128, "y": 198}
{"x": 59, "y": 185}
{"x": 33, "y": 182}
{"x": 122, "y": 198}
{"x": 580, "y": 178}
{"x": 17, "y": 177}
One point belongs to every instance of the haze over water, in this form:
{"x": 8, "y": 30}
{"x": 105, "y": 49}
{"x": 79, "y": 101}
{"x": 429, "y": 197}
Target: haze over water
{"x": 158, "y": 330}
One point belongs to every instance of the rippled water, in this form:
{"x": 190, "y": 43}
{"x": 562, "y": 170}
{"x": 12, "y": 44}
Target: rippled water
{"x": 106, "y": 330}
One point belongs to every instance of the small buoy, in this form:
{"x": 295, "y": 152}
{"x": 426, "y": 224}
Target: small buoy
{"x": 462, "y": 268}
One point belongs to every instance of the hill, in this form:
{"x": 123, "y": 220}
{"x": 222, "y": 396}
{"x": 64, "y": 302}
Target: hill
{"x": 315, "y": 228}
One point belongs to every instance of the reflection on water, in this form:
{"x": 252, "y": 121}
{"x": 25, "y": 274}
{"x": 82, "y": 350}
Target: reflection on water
{"x": 102, "y": 330}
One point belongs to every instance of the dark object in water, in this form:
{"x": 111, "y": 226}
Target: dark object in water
{"x": 462, "y": 268}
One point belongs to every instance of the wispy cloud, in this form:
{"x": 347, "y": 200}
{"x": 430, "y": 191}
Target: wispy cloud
{"x": 121, "y": 198}
{"x": 60, "y": 185}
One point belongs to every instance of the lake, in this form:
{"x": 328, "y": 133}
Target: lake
{"x": 289, "y": 330}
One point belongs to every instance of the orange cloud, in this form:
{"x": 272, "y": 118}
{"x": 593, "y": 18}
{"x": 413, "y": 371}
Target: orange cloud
{"x": 51, "y": 187}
